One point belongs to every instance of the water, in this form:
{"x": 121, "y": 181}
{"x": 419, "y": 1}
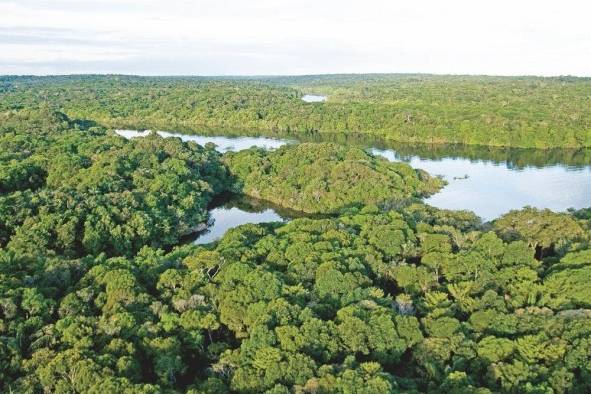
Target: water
{"x": 229, "y": 211}
{"x": 223, "y": 219}
{"x": 223, "y": 144}
{"x": 498, "y": 180}
{"x": 313, "y": 98}
{"x": 491, "y": 189}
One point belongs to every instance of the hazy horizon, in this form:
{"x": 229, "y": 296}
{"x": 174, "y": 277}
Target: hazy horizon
{"x": 269, "y": 37}
{"x": 255, "y": 76}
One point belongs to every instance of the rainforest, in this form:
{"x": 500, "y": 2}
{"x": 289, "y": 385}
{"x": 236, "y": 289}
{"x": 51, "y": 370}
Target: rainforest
{"x": 524, "y": 112}
{"x": 365, "y": 286}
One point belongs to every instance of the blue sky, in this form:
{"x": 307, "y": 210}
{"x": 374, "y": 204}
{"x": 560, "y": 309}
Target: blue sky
{"x": 258, "y": 37}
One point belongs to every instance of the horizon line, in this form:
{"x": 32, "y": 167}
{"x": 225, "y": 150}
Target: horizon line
{"x": 114, "y": 74}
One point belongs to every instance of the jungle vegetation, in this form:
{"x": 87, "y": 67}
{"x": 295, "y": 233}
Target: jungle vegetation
{"x": 325, "y": 178}
{"x": 97, "y": 294}
{"x": 525, "y": 112}
{"x": 369, "y": 302}
{"x": 74, "y": 191}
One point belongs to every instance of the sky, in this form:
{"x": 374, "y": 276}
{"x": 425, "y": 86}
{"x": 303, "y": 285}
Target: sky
{"x": 277, "y": 37}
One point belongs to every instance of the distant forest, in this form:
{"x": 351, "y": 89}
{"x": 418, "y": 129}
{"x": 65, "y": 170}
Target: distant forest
{"x": 524, "y": 112}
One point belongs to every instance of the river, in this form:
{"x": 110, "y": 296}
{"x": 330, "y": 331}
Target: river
{"x": 487, "y": 181}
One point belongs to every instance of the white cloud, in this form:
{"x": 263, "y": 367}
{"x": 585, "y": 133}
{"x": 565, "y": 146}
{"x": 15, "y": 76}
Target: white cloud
{"x": 288, "y": 36}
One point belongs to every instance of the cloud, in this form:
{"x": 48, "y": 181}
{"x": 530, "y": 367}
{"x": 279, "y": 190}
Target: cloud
{"x": 289, "y": 36}
{"x": 22, "y": 35}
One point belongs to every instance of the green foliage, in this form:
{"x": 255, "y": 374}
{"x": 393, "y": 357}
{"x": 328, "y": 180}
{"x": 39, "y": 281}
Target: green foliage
{"x": 541, "y": 229}
{"x": 315, "y": 305}
{"x": 526, "y": 112}
{"x": 325, "y": 178}
{"x": 377, "y": 298}
{"x": 567, "y": 284}
{"x": 76, "y": 192}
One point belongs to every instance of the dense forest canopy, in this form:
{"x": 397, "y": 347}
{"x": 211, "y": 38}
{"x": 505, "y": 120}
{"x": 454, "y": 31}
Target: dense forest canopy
{"x": 381, "y": 293}
{"x": 76, "y": 191}
{"x": 325, "y": 178}
{"x": 369, "y": 302}
{"x": 528, "y": 112}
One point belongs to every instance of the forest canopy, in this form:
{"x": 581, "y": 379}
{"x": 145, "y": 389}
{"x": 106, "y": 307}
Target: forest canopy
{"x": 326, "y": 177}
{"x": 525, "y": 112}
{"x": 76, "y": 191}
{"x": 370, "y": 302}
{"x": 383, "y": 294}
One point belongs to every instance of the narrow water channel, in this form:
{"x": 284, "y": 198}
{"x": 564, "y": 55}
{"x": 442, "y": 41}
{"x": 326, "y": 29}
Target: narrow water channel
{"x": 486, "y": 181}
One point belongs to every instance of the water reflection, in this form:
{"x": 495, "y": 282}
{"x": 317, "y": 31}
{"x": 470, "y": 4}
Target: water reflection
{"x": 514, "y": 158}
{"x": 228, "y": 211}
{"x": 498, "y": 179}
{"x": 223, "y": 143}
{"x": 491, "y": 189}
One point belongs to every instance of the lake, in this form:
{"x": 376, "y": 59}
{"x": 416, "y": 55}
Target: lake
{"x": 487, "y": 181}
{"x": 228, "y": 211}
{"x": 491, "y": 189}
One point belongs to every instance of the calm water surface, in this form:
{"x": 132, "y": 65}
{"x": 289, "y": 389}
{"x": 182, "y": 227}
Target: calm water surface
{"x": 223, "y": 144}
{"x": 313, "y": 98}
{"x": 491, "y": 189}
{"x": 488, "y": 182}
{"x": 229, "y": 211}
